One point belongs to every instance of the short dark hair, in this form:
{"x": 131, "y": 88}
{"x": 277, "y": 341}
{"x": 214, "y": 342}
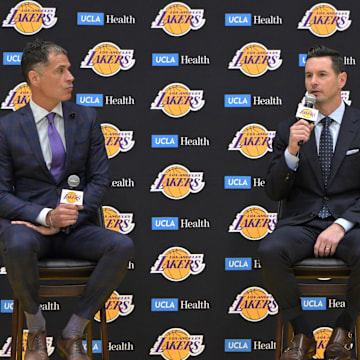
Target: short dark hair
{"x": 36, "y": 54}
{"x": 322, "y": 51}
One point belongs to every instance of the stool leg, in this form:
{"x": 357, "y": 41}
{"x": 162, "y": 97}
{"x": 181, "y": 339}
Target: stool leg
{"x": 279, "y": 336}
{"x": 89, "y": 340}
{"x": 20, "y": 330}
{"x": 357, "y": 340}
{"x": 14, "y": 328}
{"x": 104, "y": 334}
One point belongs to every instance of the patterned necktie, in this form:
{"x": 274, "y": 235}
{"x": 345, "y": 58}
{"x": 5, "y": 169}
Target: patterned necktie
{"x": 325, "y": 156}
{"x": 57, "y": 149}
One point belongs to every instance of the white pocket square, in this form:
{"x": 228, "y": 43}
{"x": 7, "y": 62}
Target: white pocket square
{"x": 352, "y": 151}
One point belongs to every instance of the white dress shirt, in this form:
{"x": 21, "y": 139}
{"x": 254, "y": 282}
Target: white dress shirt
{"x": 41, "y": 122}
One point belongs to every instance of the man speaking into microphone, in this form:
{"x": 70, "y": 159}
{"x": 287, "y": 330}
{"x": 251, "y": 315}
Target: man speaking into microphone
{"x": 315, "y": 173}
{"x": 41, "y": 146}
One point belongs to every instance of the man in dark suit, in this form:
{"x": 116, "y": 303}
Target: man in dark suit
{"x": 320, "y": 204}
{"x": 34, "y": 168}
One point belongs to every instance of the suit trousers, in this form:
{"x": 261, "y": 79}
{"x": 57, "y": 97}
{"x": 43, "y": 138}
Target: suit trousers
{"x": 289, "y": 244}
{"x": 23, "y": 246}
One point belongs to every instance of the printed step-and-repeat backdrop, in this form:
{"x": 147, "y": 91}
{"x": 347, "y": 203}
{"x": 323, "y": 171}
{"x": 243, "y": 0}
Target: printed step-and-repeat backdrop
{"x": 189, "y": 95}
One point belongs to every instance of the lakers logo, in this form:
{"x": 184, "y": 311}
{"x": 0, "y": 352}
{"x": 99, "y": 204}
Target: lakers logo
{"x": 107, "y": 59}
{"x": 116, "y": 221}
{"x": 177, "y": 344}
{"x": 177, "y": 264}
{"x": 116, "y": 141}
{"x": 345, "y": 96}
{"x": 253, "y": 141}
{"x": 177, "y": 19}
{"x": 322, "y": 336}
{"x": 17, "y": 97}
{"x": 176, "y": 182}
{"x": 177, "y": 100}
{"x": 29, "y": 17}
{"x": 254, "y": 60}
{"x": 254, "y": 223}
{"x": 254, "y": 304}
{"x": 117, "y": 305}
{"x": 324, "y": 20}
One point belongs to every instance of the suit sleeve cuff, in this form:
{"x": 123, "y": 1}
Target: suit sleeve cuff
{"x": 41, "y": 218}
{"x": 346, "y": 224}
{"x": 291, "y": 161}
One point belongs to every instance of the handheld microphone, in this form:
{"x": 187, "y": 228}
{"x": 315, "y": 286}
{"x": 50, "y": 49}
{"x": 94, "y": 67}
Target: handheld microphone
{"x": 307, "y": 111}
{"x": 71, "y": 196}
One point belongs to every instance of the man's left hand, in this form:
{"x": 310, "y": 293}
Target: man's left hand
{"x": 44, "y": 230}
{"x": 328, "y": 240}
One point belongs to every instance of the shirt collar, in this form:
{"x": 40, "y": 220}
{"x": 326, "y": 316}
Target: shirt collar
{"x": 336, "y": 115}
{"x": 40, "y": 113}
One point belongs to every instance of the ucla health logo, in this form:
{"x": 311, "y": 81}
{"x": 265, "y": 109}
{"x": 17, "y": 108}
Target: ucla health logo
{"x": 7, "y": 306}
{"x": 254, "y": 222}
{"x": 94, "y": 100}
{"x": 90, "y": 18}
{"x": 165, "y": 223}
{"x": 177, "y": 264}
{"x": 165, "y": 59}
{"x": 253, "y": 141}
{"x": 17, "y": 97}
{"x": 323, "y": 20}
{"x": 116, "y": 221}
{"x": 237, "y": 345}
{"x": 254, "y": 304}
{"x": 237, "y": 100}
{"x": 165, "y": 304}
{"x": 177, "y": 100}
{"x": 238, "y": 20}
{"x": 254, "y": 60}
{"x": 117, "y": 141}
{"x": 237, "y": 182}
{"x": 117, "y": 305}
{"x": 12, "y": 58}
{"x": 177, "y": 182}
{"x": 177, "y": 19}
{"x": 313, "y": 303}
{"x": 164, "y": 141}
{"x": 29, "y": 17}
{"x": 107, "y": 59}
{"x": 238, "y": 264}
{"x": 177, "y": 343}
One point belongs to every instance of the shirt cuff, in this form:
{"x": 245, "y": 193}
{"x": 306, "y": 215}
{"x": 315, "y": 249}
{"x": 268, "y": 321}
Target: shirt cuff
{"x": 292, "y": 161}
{"x": 346, "y": 224}
{"x": 41, "y": 218}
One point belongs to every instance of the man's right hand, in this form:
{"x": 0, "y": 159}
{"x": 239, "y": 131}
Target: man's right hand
{"x": 300, "y": 131}
{"x": 63, "y": 215}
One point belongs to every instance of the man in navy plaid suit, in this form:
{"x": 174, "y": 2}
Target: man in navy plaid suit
{"x": 31, "y": 218}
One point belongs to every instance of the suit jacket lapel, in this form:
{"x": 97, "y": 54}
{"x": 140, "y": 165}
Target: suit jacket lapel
{"x": 348, "y": 129}
{"x": 70, "y": 132}
{"x": 309, "y": 151}
{"x": 30, "y": 132}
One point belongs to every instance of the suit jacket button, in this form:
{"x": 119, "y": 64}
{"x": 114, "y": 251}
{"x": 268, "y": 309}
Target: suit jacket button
{"x": 326, "y": 198}
{"x": 312, "y": 214}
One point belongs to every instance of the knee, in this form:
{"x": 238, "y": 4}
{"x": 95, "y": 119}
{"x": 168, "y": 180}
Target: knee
{"x": 19, "y": 241}
{"x": 268, "y": 252}
{"x": 124, "y": 246}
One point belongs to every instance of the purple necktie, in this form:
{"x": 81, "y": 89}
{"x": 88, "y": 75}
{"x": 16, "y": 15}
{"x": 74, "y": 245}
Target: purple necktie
{"x": 57, "y": 149}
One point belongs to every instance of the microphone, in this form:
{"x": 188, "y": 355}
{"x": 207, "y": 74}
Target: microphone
{"x": 71, "y": 196}
{"x": 307, "y": 111}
